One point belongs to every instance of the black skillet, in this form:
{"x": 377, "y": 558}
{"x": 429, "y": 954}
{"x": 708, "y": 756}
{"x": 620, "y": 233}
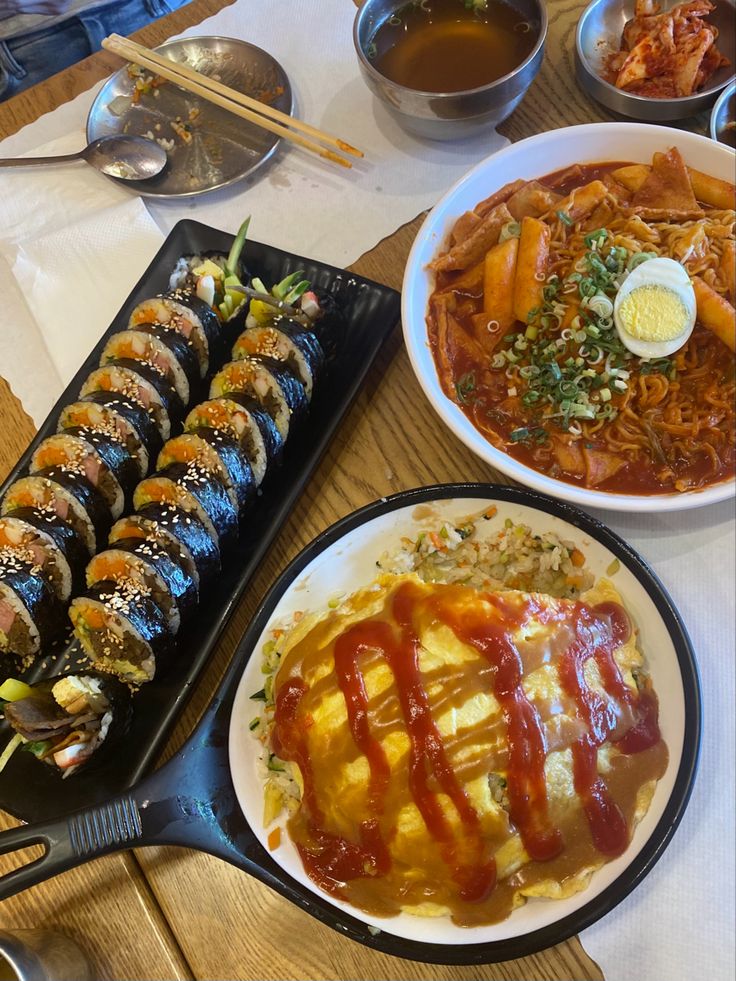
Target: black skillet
{"x": 190, "y": 801}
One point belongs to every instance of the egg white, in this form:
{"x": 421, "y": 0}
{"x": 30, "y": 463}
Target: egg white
{"x": 670, "y": 275}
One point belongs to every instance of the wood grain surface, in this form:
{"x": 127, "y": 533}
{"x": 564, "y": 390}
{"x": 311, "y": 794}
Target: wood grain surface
{"x": 170, "y": 913}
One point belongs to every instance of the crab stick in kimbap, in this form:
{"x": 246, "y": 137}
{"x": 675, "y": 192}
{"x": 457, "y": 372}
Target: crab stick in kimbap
{"x": 191, "y": 317}
{"x": 107, "y": 465}
{"x": 270, "y": 383}
{"x": 120, "y": 417}
{"x": 217, "y": 453}
{"x": 139, "y": 382}
{"x": 49, "y": 544}
{"x": 164, "y": 349}
{"x": 122, "y": 630}
{"x": 286, "y": 341}
{"x": 63, "y": 721}
{"x": 194, "y": 488}
{"x": 180, "y": 532}
{"x": 152, "y": 566}
{"x": 31, "y": 613}
{"x": 247, "y": 422}
{"x": 70, "y": 496}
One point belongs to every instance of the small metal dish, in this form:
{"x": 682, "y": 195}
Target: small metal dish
{"x": 724, "y": 112}
{"x": 222, "y": 148}
{"x": 448, "y": 115}
{"x": 599, "y": 35}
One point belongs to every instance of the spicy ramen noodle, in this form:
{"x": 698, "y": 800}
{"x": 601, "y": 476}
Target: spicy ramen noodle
{"x": 522, "y": 331}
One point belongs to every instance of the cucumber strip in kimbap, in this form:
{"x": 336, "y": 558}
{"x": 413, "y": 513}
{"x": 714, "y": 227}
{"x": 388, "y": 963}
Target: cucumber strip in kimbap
{"x": 212, "y": 277}
{"x": 48, "y": 543}
{"x": 150, "y": 565}
{"x": 142, "y": 384}
{"x": 79, "y": 455}
{"x": 31, "y": 613}
{"x": 217, "y": 453}
{"x": 246, "y": 421}
{"x": 191, "y": 317}
{"x": 162, "y": 348}
{"x": 286, "y": 341}
{"x": 178, "y": 530}
{"x": 270, "y": 383}
{"x": 113, "y": 413}
{"x": 67, "y": 495}
{"x": 64, "y": 720}
{"x": 192, "y": 488}
{"x": 122, "y": 630}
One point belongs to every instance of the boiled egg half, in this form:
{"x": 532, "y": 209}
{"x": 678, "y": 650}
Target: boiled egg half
{"x": 654, "y": 310}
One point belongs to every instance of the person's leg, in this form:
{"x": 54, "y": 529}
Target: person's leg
{"x": 124, "y": 17}
{"x": 26, "y": 60}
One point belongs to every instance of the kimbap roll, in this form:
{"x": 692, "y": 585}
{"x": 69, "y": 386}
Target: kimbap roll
{"x": 288, "y": 342}
{"x": 247, "y": 422}
{"x": 49, "y": 544}
{"x": 164, "y": 349}
{"x": 31, "y": 613}
{"x": 180, "y": 532}
{"x": 119, "y": 417}
{"x": 69, "y": 496}
{"x": 217, "y": 453}
{"x": 270, "y": 383}
{"x": 139, "y": 382}
{"x": 65, "y": 720}
{"x": 122, "y": 630}
{"x": 151, "y": 565}
{"x": 190, "y": 317}
{"x": 104, "y": 463}
{"x": 193, "y": 488}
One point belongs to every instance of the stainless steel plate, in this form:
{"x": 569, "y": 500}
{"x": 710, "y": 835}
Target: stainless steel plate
{"x": 724, "y": 112}
{"x": 223, "y": 147}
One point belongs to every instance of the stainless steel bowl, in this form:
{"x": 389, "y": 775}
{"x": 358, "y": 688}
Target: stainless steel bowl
{"x": 724, "y": 111}
{"x": 599, "y": 34}
{"x": 448, "y": 115}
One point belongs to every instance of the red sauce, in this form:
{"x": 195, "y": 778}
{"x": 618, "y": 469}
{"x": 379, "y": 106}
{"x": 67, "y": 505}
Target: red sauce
{"x": 353, "y": 837}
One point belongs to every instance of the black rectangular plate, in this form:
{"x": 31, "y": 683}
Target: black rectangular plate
{"x": 33, "y": 791}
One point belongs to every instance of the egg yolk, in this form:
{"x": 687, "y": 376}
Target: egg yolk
{"x": 653, "y": 313}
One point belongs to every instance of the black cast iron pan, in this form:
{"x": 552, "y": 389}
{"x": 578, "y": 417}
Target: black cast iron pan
{"x": 192, "y": 801}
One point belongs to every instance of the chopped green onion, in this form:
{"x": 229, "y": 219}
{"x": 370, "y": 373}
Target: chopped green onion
{"x": 565, "y": 218}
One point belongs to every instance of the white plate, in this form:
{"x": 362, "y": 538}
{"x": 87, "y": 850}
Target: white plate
{"x": 343, "y": 560}
{"x": 534, "y": 157}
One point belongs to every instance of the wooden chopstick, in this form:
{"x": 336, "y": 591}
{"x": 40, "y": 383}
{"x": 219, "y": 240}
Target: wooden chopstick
{"x": 240, "y": 105}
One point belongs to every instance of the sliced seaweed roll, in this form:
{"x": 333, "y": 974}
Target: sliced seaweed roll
{"x": 286, "y": 341}
{"x": 246, "y": 421}
{"x": 31, "y": 613}
{"x": 142, "y": 384}
{"x": 179, "y": 531}
{"x": 193, "y": 488}
{"x": 217, "y": 453}
{"x": 66, "y": 719}
{"x": 191, "y": 317}
{"x": 102, "y": 462}
{"x": 150, "y": 565}
{"x": 71, "y": 497}
{"x": 161, "y": 347}
{"x": 122, "y": 630}
{"x": 117, "y": 415}
{"x": 43, "y": 539}
{"x": 270, "y": 383}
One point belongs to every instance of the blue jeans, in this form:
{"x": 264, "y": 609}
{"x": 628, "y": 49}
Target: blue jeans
{"x": 33, "y": 57}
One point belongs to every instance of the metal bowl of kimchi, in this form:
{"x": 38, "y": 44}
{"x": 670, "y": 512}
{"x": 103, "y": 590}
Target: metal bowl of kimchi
{"x": 654, "y": 64}
{"x": 527, "y": 162}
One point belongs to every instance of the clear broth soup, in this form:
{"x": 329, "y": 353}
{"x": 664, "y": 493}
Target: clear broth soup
{"x": 444, "y": 46}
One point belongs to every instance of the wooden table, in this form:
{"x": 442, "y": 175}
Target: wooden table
{"x": 171, "y": 913}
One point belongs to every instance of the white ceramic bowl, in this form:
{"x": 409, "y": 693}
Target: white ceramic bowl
{"x": 534, "y": 157}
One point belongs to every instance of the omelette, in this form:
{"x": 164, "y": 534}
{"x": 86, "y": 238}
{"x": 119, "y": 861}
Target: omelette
{"x": 458, "y": 751}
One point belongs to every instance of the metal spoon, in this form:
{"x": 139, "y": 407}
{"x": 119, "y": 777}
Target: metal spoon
{"x": 128, "y": 157}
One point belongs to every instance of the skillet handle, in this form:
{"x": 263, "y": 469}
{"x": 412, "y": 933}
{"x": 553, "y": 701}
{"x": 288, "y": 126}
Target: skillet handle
{"x": 71, "y": 841}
